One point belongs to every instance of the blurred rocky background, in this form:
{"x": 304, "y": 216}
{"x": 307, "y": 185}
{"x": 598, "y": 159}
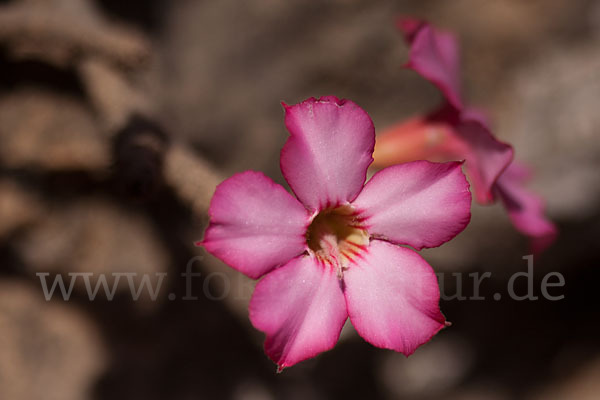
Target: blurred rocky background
{"x": 118, "y": 118}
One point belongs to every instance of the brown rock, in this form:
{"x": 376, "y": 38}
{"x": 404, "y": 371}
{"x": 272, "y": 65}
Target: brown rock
{"x": 49, "y": 350}
{"x": 40, "y": 129}
{"x": 95, "y": 236}
{"x": 17, "y": 207}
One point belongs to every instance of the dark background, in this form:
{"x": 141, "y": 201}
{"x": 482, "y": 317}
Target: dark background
{"x": 118, "y": 118}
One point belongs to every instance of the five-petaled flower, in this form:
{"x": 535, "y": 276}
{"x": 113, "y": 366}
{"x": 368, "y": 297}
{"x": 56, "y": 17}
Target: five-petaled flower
{"x": 457, "y": 132}
{"x": 334, "y": 252}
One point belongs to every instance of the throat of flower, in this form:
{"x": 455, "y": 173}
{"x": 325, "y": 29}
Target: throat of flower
{"x": 337, "y": 237}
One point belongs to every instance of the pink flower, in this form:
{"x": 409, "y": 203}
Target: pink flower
{"x": 525, "y": 209}
{"x": 455, "y": 131}
{"x": 332, "y": 252}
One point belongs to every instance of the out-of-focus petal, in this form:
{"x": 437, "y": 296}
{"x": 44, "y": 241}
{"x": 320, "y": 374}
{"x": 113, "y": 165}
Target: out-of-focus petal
{"x": 409, "y": 27}
{"x": 301, "y": 308}
{"x": 477, "y": 114}
{"x": 255, "y": 224}
{"x": 422, "y": 204}
{"x": 330, "y": 147}
{"x": 485, "y": 156}
{"x": 445, "y": 135}
{"x": 525, "y": 208}
{"x": 435, "y": 56}
{"x": 393, "y": 296}
{"x": 417, "y": 139}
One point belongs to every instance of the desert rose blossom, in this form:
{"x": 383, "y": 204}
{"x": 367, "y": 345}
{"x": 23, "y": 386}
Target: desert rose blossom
{"x": 455, "y": 131}
{"x": 332, "y": 252}
{"x": 525, "y": 208}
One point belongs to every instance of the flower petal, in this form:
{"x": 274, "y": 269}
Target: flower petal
{"x": 446, "y": 135}
{"x": 301, "y": 308}
{"x": 422, "y": 204}
{"x": 525, "y": 209}
{"x": 255, "y": 224}
{"x": 486, "y": 157}
{"x": 392, "y": 296}
{"x": 435, "y": 56}
{"x": 418, "y": 139}
{"x": 326, "y": 157}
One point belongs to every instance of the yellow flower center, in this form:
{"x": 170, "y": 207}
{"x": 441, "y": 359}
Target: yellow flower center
{"x": 337, "y": 237}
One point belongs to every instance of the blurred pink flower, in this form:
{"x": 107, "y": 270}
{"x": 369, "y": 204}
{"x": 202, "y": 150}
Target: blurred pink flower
{"x": 455, "y": 132}
{"x": 525, "y": 209}
{"x": 333, "y": 252}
